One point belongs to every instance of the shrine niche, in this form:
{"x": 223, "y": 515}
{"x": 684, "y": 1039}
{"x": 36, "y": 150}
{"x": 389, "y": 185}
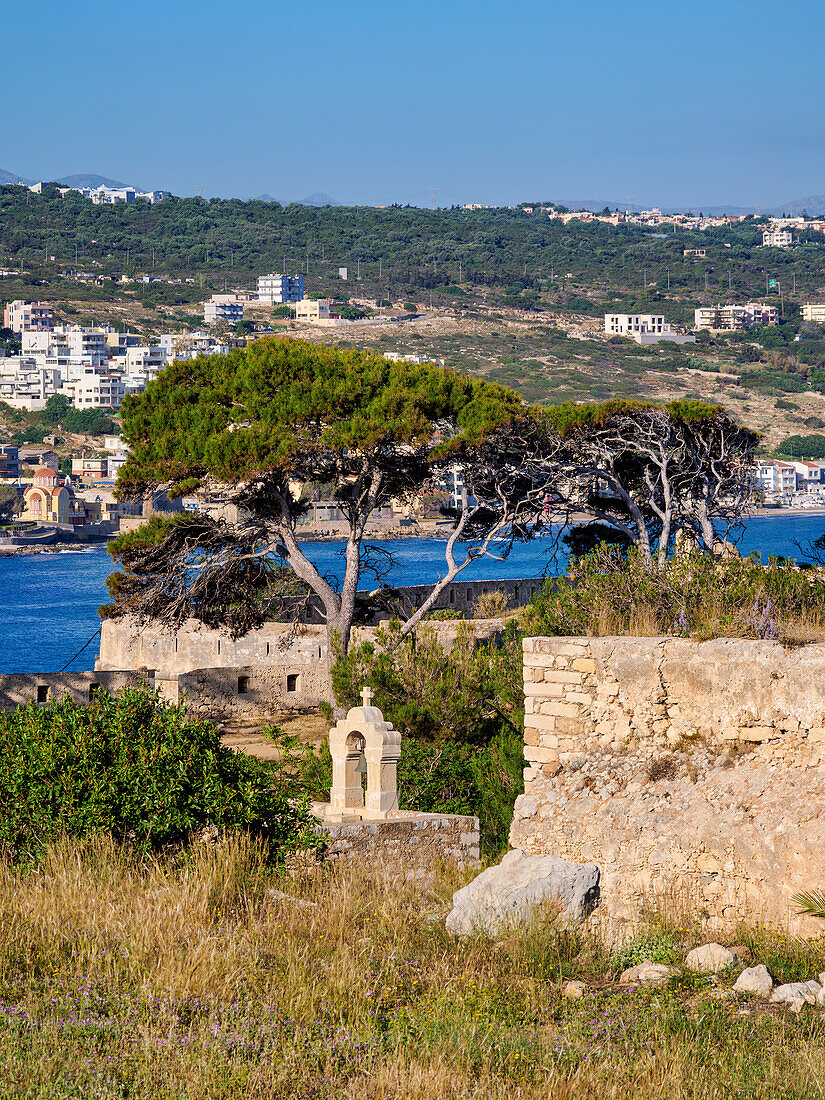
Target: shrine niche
{"x": 364, "y": 743}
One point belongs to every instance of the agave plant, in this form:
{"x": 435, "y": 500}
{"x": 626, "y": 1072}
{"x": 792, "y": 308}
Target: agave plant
{"x": 811, "y": 904}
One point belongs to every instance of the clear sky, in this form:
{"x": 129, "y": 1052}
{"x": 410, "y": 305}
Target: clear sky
{"x": 677, "y": 103}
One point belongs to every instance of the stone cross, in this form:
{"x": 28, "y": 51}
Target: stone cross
{"x": 366, "y": 696}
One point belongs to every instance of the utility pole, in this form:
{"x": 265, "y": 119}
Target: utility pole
{"x": 460, "y": 279}
{"x": 668, "y": 280}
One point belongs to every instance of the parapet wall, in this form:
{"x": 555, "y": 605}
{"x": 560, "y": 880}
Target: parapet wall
{"x": 692, "y": 773}
{"x": 257, "y": 676}
{"x": 404, "y": 840}
{"x": 17, "y": 689}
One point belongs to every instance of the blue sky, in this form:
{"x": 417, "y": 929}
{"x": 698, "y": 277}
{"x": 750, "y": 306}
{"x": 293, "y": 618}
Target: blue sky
{"x": 676, "y": 103}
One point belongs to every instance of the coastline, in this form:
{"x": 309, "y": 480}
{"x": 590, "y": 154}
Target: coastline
{"x": 424, "y": 531}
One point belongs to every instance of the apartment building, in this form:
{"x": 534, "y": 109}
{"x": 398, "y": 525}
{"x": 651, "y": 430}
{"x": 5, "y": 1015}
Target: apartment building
{"x": 810, "y": 476}
{"x": 777, "y": 238}
{"x": 143, "y": 361}
{"x": 22, "y": 317}
{"x": 644, "y": 328}
{"x": 814, "y": 312}
{"x": 95, "y": 387}
{"x": 223, "y": 307}
{"x": 314, "y": 310}
{"x": 628, "y": 324}
{"x": 27, "y": 383}
{"x": 278, "y": 289}
{"x": 776, "y": 478}
{"x": 735, "y": 317}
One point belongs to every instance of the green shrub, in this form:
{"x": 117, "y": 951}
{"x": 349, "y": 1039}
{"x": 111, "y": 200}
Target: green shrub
{"x": 133, "y": 766}
{"x": 612, "y": 591}
{"x": 661, "y": 948}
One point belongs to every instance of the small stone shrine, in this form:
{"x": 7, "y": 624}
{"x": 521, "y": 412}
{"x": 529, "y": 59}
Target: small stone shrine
{"x": 365, "y": 744}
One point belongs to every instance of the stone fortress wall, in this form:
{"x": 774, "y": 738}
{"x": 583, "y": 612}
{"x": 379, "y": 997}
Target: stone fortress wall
{"x": 692, "y": 773}
{"x": 264, "y": 672}
{"x": 17, "y": 689}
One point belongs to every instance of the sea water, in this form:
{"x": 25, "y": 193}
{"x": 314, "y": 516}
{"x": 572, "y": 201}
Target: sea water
{"x": 49, "y": 602}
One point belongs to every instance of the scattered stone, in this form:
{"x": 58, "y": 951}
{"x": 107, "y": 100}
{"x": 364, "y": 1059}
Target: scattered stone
{"x": 710, "y": 958}
{"x": 742, "y": 951}
{"x": 574, "y": 991}
{"x": 755, "y": 979}
{"x": 511, "y": 892}
{"x": 648, "y": 972}
{"x": 796, "y": 995}
{"x": 279, "y": 895}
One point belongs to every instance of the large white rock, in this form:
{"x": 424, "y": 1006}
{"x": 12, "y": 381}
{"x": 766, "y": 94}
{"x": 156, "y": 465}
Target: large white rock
{"x": 796, "y": 994}
{"x": 710, "y": 958}
{"x": 511, "y": 892}
{"x": 755, "y": 979}
{"x": 647, "y": 972}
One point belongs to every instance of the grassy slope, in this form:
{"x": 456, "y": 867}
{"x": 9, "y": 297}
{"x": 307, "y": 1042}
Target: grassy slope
{"x": 196, "y": 980}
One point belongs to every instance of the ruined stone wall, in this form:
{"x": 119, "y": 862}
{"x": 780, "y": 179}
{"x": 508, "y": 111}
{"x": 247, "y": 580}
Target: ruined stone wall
{"x": 256, "y": 676}
{"x": 692, "y": 773}
{"x": 251, "y": 691}
{"x": 406, "y": 839}
{"x": 17, "y": 689}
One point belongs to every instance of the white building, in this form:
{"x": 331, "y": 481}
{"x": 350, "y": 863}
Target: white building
{"x": 814, "y": 312}
{"x": 810, "y": 476}
{"x": 644, "y": 328}
{"x": 93, "y": 388}
{"x": 278, "y": 289}
{"x": 223, "y": 307}
{"x": 143, "y": 361}
{"x": 628, "y": 324}
{"x": 27, "y": 384}
{"x": 777, "y": 238}
{"x": 776, "y": 478}
{"x": 735, "y": 316}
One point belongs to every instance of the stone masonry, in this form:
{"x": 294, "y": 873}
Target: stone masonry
{"x": 691, "y": 773}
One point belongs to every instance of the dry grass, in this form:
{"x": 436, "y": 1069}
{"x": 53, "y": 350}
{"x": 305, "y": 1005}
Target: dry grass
{"x": 196, "y": 978}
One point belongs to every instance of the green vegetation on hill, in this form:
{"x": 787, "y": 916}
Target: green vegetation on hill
{"x": 803, "y": 446}
{"x": 399, "y": 250}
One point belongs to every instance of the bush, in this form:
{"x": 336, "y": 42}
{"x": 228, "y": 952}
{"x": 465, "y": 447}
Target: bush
{"x": 134, "y": 767}
{"x": 613, "y": 592}
{"x": 491, "y": 605}
{"x": 461, "y": 713}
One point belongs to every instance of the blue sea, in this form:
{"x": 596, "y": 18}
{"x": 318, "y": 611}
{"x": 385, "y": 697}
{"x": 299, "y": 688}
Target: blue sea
{"x": 49, "y": 602}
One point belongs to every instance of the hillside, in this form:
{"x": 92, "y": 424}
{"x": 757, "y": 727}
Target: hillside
{"x": 513, "y": 296}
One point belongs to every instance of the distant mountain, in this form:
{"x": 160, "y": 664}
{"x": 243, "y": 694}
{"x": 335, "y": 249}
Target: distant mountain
{"x": 319, "y": 198}
{"x": 265, "y": 198}
{"x": 811, "y": 204}
{"x": 8, "y": 178}
{"x": 90, "y": 179}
